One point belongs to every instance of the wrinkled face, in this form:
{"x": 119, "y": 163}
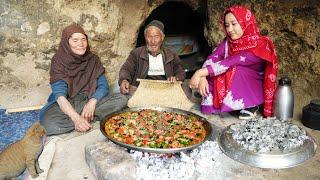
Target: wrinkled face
{"x": 154, "y": 38}
{"x": 232, "y": 26}
{"x": 78, "y": 43}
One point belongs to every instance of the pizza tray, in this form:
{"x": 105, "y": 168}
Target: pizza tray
{"x": 206, "y": 126}
{"x": 273, "y": 160}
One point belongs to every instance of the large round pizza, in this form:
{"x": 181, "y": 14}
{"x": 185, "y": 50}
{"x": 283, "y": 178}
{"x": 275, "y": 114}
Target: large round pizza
{"x": 155, "y": 129}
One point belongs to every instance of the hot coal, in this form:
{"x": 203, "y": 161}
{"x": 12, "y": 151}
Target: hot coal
{"x": 196, "y": 164}
{"x": 265, "y": 135}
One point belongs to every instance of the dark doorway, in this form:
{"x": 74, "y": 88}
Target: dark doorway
{"x": 184, "y": 33}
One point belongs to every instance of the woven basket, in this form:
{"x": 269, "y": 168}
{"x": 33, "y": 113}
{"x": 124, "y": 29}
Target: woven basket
{"x": 158, "y": 93}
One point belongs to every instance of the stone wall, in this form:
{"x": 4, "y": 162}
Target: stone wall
{"x": 30, "y": 32}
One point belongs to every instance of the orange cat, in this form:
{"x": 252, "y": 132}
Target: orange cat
{"x": 23, "y": 154}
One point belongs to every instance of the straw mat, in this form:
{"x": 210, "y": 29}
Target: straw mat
{"x": 158, "y": 93}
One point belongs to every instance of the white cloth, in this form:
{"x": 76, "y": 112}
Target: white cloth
{"x": 156, "y": 67}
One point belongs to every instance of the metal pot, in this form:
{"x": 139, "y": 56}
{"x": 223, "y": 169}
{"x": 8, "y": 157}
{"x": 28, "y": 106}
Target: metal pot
{"x": 274, "y": 160}
{"x": 206, "y": 125}
{"x": 311, "y": 115}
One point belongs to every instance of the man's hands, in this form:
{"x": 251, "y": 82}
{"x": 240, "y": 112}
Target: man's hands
{"x": 172, "y": 79}
{"x": 124, "y": 87}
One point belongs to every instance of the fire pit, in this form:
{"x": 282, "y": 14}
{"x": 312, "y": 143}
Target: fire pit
{"x": 198, "y": 163}
{"x": 267, "y": 143}
{"x": 155, "y": 149}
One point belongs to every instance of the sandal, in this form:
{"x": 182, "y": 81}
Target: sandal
{"x": 249, "y": 113}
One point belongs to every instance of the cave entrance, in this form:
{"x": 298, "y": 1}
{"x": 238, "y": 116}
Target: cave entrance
{"x": 184, "y": 33}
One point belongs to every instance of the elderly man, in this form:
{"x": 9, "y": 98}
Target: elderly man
{"x": 152, "y": 61}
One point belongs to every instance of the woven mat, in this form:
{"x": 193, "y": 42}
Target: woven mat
{"x": 160, "y": 93}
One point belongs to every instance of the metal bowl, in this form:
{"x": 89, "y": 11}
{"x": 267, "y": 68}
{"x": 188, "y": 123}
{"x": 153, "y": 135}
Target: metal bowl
{"x": 157, "y": 150}
{"x": 273, "y": 159}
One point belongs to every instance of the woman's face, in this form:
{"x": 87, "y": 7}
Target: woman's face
{"x": 232, "y": 26}
{"x": 78, "y": 43}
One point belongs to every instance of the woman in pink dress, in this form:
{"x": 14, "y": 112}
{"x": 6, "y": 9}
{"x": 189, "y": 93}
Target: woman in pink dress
{"x": 241, "y": 72}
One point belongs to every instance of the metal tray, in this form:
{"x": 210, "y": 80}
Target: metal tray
{"x": 206, "y": 125}
{"x": 273, "y": 160}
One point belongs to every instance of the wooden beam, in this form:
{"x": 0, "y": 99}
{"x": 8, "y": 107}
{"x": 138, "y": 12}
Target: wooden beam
{"x": 23, "y": 109}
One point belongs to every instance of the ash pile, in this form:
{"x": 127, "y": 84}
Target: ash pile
{"x": 194, "y": 164}
{"x": 266, "y": 135}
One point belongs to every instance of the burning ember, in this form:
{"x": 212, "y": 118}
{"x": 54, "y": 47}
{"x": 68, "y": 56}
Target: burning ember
{"x": 184, "y": 165}
{"x": 260, "y": 135}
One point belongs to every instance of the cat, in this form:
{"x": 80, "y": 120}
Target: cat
{"x": 23, "y": 154}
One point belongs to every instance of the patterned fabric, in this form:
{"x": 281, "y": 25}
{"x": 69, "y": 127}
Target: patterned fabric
{"x": 260, "y": 46}
{"x": 246, "y": 88}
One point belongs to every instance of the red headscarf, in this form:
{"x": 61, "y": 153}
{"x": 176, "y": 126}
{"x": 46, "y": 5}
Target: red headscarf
{"x": 259, "y": 45}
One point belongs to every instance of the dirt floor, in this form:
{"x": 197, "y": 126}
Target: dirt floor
{"x": 64, "y": 154}
{"x": 69, "y": 158}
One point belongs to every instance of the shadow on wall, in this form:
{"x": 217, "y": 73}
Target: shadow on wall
{"x": 184, "y": 29}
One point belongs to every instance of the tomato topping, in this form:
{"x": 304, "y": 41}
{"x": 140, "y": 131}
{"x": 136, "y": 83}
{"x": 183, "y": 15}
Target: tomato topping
{"x": 155, "y": 129}
{"x": 129, "y": 140}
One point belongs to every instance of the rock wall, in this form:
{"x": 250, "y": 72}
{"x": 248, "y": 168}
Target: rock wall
{"x": 30, "y": 32}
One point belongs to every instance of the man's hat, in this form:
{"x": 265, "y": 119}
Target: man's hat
{"x": 157, "y": 24}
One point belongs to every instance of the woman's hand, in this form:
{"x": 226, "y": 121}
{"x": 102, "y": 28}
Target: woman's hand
{"x": 80, "y": 123}
{"x": 203, "y": 87}
{"x": 195, "y": 80}
{"x": 172, "y": 79}
{"x": 124, "y": 87}
{"x": 88, "y": 110}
